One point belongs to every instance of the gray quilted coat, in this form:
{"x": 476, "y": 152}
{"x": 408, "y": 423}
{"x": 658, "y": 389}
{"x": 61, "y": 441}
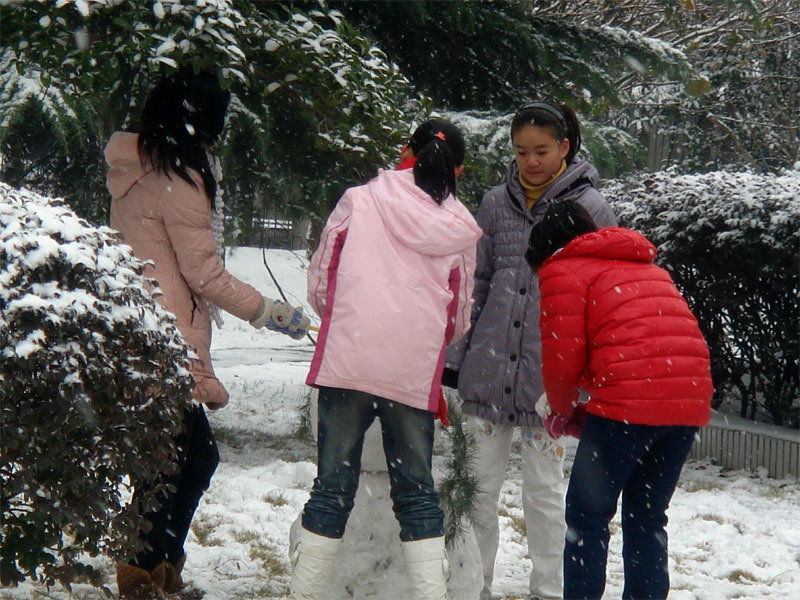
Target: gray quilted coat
{"x": 499, "y": 360}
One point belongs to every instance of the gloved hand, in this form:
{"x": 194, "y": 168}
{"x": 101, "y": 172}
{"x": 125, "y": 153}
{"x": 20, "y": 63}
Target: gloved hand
{"x": 542, "y": 407}
{"x": 555, "y": 424}
{"x": 558, "y": 425}
{"x": 450, "y": 378}
{"x": 282, "y": 317}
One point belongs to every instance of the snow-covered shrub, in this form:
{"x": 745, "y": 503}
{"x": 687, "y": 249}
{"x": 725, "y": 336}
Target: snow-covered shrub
{"x": 93, "y": 385}
{"x": 730, "y": 241}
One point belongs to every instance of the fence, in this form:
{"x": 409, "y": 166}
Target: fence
{"x": 733, "y": 446}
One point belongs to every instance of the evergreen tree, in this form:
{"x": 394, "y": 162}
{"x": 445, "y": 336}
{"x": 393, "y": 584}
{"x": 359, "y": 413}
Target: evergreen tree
{"x": 317, "y": 103}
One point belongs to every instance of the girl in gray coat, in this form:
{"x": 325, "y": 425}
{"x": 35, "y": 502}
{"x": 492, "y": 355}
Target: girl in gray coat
{"x": 496, "y": 367}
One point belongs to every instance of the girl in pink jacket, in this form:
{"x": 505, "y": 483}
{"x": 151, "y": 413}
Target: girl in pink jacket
{"x": 164, "y": 186}
{"x": 392, "y": 281}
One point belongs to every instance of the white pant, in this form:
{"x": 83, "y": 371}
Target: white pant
{"x": 542, "y": 500}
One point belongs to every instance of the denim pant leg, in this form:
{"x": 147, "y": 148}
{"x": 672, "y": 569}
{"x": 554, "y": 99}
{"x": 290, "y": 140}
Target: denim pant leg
{"x": 408, "y": 444}
{"x": 645, "y": 500}
{"x": 344, "y": 416}
{"x": 607, "y": 454}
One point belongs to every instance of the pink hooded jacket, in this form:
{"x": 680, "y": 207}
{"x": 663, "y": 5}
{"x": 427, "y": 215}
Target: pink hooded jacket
{"x": 392, "y": 280}
{"x": 167, "y": 221}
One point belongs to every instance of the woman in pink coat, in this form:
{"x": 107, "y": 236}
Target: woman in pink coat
{"x": 392, "y": 281}
{"x": 164, "y": 187}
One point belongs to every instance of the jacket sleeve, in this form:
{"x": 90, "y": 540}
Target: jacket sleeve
{"x": 465, "y": 270}
{"x": 325, "y": 260}
{"x": 562, "y": 323}
{"x": 484, "y": 269}
{"x": 187, "y": 220}
{"x": 598, "y": 208}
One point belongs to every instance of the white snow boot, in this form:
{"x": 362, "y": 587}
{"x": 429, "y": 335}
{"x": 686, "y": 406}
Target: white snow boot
{"x": 428, "y": 569}
{"x": 312, "y": 557}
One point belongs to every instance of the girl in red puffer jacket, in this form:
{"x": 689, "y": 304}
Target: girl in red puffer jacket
{"x": 614, "y": 324}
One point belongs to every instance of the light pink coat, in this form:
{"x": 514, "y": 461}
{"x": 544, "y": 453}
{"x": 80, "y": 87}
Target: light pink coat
{"x": 167, "y": 221}
{"x": 392, "y": 280}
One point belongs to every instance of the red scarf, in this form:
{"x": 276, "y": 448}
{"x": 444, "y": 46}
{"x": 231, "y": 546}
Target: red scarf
{"x": 406, "y": 164}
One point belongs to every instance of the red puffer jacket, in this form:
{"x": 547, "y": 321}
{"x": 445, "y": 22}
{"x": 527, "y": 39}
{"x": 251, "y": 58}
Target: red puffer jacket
{"x": 614, "y": 324}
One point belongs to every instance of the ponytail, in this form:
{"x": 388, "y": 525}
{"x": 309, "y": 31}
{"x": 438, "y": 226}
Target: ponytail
{"x": 561, "y": 119}
{"x": 434, "y": 171}
{"x": 439, "y": 148}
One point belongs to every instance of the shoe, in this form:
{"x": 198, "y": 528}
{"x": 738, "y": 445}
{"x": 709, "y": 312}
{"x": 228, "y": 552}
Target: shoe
{"x": 134, "y": 583}
{"x": 173, "y": 582}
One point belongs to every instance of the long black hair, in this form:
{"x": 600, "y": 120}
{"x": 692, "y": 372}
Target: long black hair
{"x": 439, "y": 148}
{"x": 562, "y": 223}
{"x": 561, "y": 119}
{"x": 182, "y": 119}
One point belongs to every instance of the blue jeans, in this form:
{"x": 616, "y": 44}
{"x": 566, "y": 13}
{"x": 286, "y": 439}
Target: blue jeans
{"x": 344, "y": 416}
{"x": 643, "y": 463}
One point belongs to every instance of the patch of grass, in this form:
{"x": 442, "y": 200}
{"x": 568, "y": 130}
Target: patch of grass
{"x": 740, "y": 576}
{"x": 721, "y": 521}
{"x": 777, "y": 492}
{"x": 305, "y": 431}
{"x": 268, "y": 590}
{"x": 203, "y": 530}
{"x": 276, "y": 499}
{"x": 270, "y": 559}
{"x": 517, "y": 523}
{"x": 699, "y": 485}
{"x": 712, "y": 517}
{"x": 246, "y": 536}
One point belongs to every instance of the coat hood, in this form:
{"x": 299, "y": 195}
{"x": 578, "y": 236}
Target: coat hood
{"x": 415, "y": 218}
{"x": 122, "y": 156}
{"x": 579, "y": 175}
{"x": 615, "y": 243}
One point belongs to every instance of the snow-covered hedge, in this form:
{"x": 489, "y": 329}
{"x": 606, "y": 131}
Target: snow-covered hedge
{"x": 93, "y": 385}
{"x": 730, "y": 241}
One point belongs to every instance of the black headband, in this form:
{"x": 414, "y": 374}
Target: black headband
{"x": 548, "y": 108}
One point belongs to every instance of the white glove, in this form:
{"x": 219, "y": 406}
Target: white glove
{"x": 542, "y": 407}
{"x": 264, "y": 313}
{"x": 282, "y": 317}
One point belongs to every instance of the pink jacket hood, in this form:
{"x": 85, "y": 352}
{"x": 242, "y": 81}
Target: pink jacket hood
{"x": 415, "y": 218}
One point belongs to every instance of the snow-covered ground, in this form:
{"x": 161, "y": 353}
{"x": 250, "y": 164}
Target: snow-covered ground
{"x": 731, "y": 534}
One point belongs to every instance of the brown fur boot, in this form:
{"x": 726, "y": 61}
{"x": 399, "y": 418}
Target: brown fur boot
{"x": 134, "y": 583}
{"x": 160, "y": 575}
{"x": 173, "y": 582}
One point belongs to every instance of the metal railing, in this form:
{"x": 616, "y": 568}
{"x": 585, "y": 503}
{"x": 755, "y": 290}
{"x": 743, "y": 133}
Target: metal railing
{"x": 775, "y": 449}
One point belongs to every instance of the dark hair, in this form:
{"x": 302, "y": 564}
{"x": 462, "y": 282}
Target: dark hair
{"x": 182, "y": 118}
{"x": 439, "y": 148}
{"x": 561, "y": 119}
{"x": 562, "y": 223}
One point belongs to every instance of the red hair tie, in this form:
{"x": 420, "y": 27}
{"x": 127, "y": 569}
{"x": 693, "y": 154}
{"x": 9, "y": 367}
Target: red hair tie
{"x": 440, "y": 135}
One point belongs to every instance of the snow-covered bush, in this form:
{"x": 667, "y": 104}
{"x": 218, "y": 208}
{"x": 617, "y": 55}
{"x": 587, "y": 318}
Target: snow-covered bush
{"x": 93, "y": 385}
{"x": 730, "y": 240}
